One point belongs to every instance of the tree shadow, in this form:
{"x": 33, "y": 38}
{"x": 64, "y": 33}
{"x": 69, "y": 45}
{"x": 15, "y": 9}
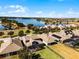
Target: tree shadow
{"x": 36, "y": 56}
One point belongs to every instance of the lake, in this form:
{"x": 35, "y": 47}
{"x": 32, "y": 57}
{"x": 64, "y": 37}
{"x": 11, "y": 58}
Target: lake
{"x": 1, "y": 27}
{"x": 26, "y": 21}
{"x": 31, "y": 21}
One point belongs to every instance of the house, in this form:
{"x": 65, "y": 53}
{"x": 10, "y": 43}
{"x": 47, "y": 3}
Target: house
{"x": 10, "y": 47}
{"x": 72, "y": 41}
{"x": 39, "y": 40}
{"x": 26, "y": 40}
{"x": 56, "y": 37}
{"x": 37, "y": 44}
{"x": 42, "y": 39}
{"x": 61, "y": 26}
{"x": 36, "y": 38}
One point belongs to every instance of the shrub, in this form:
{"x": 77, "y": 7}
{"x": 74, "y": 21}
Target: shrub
{"x": 11, "y": 33}
{"x": 1, "y": 33}
{"x": 30, "y": 26}
{"x": 1, "y": 42}
{"x": 21, "y": 33}
{"x": 27, "y": 31}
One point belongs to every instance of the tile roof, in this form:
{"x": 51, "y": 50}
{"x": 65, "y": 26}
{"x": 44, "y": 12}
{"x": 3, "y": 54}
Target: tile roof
{"x": 15, "y": 45}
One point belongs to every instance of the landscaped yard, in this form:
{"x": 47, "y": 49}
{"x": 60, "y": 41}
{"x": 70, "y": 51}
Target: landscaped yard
{"x": 15, "y": 32}
{"x": 65, "y": 51}
{"x": 1, "y": 42}
{"x": 11, "y": 57}
{"x": 48, "y": 54}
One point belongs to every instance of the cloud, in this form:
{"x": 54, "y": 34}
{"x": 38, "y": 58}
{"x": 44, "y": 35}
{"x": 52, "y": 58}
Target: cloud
{"x": 54, "y": 14}
{"x": 39, "y": 12}
{"x": 73, "y": 12}
{"x": 69, "y": 13}
{"x": 19, "y": 10}
{"x": 14, "y": 10}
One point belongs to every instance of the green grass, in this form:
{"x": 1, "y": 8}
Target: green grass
{"x": 47, "y": 54}
{"x": 12, "y": 57}
{"x": 1, "y": 42}
{"x": 15, "y": 33}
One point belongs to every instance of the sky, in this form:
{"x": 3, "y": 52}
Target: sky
{"x": 40, "y": 8}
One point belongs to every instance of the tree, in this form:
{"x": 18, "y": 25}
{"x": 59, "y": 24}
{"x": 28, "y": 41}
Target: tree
{"x": 21, "y": 33}
{"x": 11, "y": 33}
{"x": 56, "y": 29}
{"x": 45, "y": 30}
{"x": 76, "y": 44}
{"x": 20, "y": 24}
{"x": 6, "y": 23}
{"x": 4, "y": 20}
{"x": 1, "y": 42}
{"x": 9, "y": 25}
{"x": 77, "y": 27}
{"x": 29, "y": 26}
{"x": 27, "y": 31}
{"x": 36, "y": 56}
{"x": 25, "y": 52}
{"x": 1, "y": 33}
{"x": 38, "y": 19}
{"x": 36, "y": 30}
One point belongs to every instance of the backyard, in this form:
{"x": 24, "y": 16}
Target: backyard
{"x": 65, "y": 51}
{"x": 11, "y": 57}
{"x": 48, "y": 54}
{"x": 15, "y": 32}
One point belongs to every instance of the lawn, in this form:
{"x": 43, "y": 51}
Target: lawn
{"x": 1, "y": 42}
{"x": 48, "y": 54}
{"x": 15, "y": 32}
{"x": 11, "y": 57}
{"x": 65, "y": 51}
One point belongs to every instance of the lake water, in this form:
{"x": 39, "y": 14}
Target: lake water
{"x": 26, "y": 21}
{"x": 1, "y": 27}
{"x": 31, "y": 21}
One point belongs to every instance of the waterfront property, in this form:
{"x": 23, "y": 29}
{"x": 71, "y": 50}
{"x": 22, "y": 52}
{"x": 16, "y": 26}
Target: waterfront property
{"x": 27, "y": 36}
{"x": 10, "y": 47}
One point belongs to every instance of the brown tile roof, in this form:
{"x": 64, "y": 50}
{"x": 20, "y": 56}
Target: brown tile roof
{"x": 15, "y": 45}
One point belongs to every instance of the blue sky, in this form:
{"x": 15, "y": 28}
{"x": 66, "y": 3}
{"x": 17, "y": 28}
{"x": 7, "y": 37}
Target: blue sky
{"x": 40, "y": 8}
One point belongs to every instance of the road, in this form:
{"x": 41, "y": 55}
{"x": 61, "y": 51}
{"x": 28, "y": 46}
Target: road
{"x": 65, "y": 51}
